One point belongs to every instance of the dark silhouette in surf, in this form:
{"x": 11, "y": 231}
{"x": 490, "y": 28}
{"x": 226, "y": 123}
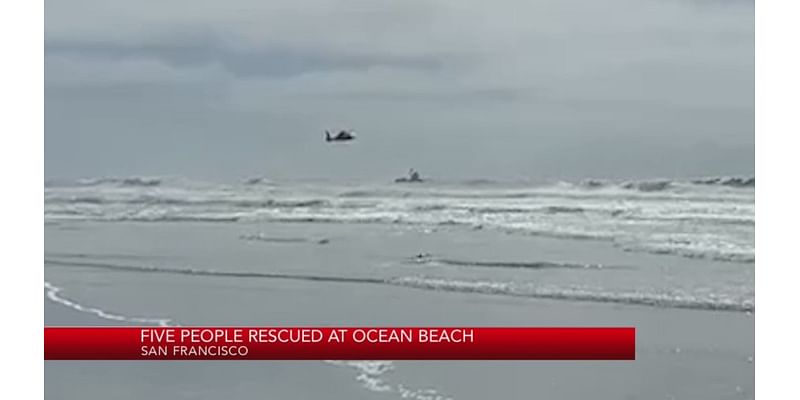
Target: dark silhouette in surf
{"x": 343, "y": 136}
{"x": 413, "y": 176}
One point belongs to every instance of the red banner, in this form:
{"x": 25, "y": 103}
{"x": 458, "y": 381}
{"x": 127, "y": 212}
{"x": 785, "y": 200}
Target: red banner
{"x": 338, "y": 343}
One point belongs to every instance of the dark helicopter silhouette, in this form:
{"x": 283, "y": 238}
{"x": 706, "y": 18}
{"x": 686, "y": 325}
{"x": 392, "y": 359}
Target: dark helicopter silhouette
{"x": 343, "y": 136}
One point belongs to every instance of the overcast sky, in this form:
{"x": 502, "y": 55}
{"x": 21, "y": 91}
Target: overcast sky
{"x": 454, "y": 88}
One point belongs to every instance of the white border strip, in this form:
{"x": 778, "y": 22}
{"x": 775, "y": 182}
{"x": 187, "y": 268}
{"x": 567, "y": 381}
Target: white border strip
{"x": 777, "y": 152}
{"x": 22, "y": 209}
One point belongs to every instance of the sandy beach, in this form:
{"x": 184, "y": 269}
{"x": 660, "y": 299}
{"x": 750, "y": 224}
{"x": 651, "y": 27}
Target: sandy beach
{"x": 125, "y": 273}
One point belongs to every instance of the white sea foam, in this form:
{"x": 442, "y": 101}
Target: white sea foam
{"x": 54, "y": 294}
{"x": 370, "y": 374}
{"x": 711, "y": 218}
{"x": 668, "y": 299}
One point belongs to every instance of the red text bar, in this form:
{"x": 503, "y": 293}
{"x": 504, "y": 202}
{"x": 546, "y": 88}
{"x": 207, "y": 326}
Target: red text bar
{"x": 339, "y": 343}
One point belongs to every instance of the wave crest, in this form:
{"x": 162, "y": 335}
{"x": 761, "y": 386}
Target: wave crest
{"x": 427, "y": 259}
{"x": 126, "y": 181}
{"x": 641, "y": 298}
{"x": 665, "y": 300}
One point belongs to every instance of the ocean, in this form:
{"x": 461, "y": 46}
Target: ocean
{"x": 664, "y": 255}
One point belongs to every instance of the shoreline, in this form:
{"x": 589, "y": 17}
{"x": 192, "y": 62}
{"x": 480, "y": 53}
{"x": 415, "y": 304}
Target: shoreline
{"x": 681, "y": 353}
{"x": 712, "y": 350}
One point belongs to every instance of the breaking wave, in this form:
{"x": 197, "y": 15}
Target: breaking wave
{"x": 259, "y": 180}
{"x": 427, "y": 259}
{"x": 713, "y": 218}
{"x": 667, "y": 184}
{"x": 176, "y": 201}
{"x": 688, "y": 251}
{"x": 132, "y": 181}
{"x": 648, "y": 186}
{"x": 743, "y": 182}
{"x": 665, "y": 300}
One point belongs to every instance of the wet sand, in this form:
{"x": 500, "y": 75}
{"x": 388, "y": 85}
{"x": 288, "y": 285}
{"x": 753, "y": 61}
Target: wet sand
{"x": 681, "y": 353}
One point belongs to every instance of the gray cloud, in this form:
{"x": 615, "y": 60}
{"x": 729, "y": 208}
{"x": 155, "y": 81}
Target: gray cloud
{"x": 542, "y": 88}
{"x": 275, "y": 61}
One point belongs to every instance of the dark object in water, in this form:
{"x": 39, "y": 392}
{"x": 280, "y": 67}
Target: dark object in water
{"x": 423, "y": 257}
{"x": 413, "y": 176}
{"x": 343, "y": 136}
{"x": 407, "y": 180}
